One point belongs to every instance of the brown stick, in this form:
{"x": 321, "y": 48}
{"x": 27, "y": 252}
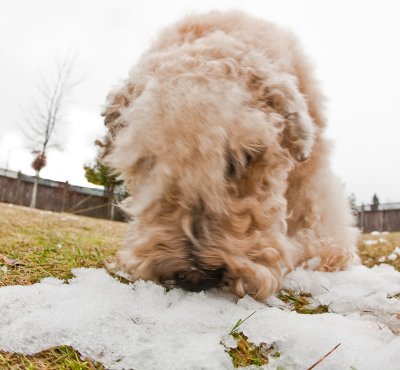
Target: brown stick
{"x": 324, "y": 357}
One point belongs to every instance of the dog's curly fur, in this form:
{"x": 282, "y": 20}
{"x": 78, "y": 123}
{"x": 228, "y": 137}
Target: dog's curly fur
{"x": 218, "y": 136}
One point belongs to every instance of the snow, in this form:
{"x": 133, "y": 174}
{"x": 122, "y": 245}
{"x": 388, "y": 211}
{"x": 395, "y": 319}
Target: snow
{"x": 370, "y": 242}
{"x": 392, "y": 256}
{"x": 142, "y": 326}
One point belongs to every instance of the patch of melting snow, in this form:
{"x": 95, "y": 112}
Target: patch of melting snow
{"x": 144, "y": 327}
{"x": 392, "y": 256}
{"x": 370, "y": 242}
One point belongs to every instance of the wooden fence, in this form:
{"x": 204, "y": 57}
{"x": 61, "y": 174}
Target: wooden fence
{"x": 16, "y": 188}
{"x": 379, "y": 220}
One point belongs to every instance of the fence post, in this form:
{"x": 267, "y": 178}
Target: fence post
{"x": 362, "y": 217}
{"x": 16, "y": 189}
{"x": 65, "y": 194}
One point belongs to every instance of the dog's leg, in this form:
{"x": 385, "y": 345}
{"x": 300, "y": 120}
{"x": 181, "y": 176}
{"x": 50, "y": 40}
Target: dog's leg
{"x": 320, "y": 216}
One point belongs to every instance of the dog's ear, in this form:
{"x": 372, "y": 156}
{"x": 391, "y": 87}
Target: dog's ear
{"x": 117, "y": 100}
{"x": 278, "y": 93}
{"x": 298, "y": 135}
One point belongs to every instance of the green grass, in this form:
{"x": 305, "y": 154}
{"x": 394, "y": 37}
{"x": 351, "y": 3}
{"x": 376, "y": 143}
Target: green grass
{"x": 60, "y": 358}
{"x": 301, "y": 302}
{"x": 247, "y": 353}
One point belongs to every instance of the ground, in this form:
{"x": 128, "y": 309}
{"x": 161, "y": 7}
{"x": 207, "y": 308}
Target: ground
{"x": 42, "y": 244}
{"x": 36, "y": 244}
{"x": 377, "y": 248}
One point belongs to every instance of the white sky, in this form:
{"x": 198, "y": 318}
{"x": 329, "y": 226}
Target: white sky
{"x": 354, "y": 44}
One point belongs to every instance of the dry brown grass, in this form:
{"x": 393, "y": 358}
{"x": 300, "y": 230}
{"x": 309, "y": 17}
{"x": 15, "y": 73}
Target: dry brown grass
{"x": 60, "y": 358}
{"x": 385, "y": 245}
{"x": 301, "y": 302}
{"x": 50, "y": 244}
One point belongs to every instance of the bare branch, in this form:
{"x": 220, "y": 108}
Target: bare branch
{"x": 47, "y": 112}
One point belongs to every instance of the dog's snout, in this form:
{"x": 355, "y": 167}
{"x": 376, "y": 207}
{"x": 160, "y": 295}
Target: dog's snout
{"x": 198, "y": 280}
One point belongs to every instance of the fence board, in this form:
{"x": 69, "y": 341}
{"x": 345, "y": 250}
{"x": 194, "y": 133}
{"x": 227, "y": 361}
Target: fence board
{"x": 56, "y": 196}
{"x": 381, "y": 220}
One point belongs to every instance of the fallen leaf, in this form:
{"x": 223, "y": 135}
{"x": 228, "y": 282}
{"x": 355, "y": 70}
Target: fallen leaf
{"x": 10, "y": 262}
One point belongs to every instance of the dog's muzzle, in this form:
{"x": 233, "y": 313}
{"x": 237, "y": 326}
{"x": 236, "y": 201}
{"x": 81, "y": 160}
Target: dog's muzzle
{"x": 197, "y": 280}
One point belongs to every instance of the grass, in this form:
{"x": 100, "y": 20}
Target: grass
{"x": 35, "y": 244}
{"x": 301, "y": 302}
{"x": 60, "y": 358}
{"x": 246, "y": 353}
{"x": 385, "y": 244}
{"x": 47, "y": 244}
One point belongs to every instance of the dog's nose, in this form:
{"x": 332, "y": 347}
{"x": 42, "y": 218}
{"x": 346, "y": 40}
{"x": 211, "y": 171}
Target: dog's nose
{"x": 197, "y": 280}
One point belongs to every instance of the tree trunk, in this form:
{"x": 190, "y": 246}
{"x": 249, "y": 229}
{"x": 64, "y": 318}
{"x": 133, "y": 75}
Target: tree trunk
{"x": 111, "y": 201}
{"x": 112, "y": 213}
{"x": 34, "y": 190}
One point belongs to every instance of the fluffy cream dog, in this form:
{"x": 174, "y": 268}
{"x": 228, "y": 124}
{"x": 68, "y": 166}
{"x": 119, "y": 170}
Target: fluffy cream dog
{"x": 218, "y": 135}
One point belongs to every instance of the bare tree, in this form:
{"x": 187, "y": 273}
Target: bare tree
{"x": 47, "y": 115}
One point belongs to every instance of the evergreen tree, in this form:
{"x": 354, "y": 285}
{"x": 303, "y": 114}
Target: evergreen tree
{"x": 353, "y": 205}
{"x": 375, "y": 203}
{"x": 98, "y": 174}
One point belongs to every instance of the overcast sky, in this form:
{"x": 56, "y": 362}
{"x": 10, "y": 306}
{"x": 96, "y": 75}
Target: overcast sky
{"x": 355, "y": 46}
